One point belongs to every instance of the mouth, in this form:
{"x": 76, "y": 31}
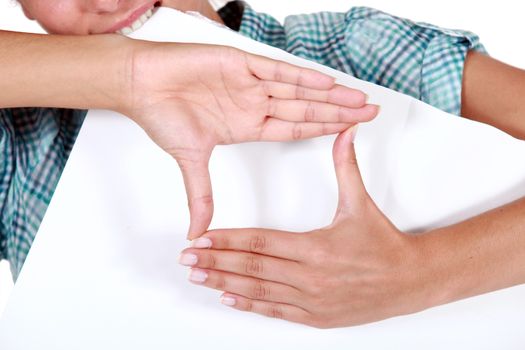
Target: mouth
{"x": 136, "y": 19}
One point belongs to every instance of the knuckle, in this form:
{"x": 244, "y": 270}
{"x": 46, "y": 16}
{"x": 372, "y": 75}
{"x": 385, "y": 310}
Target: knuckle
{"x": 300, "y": 93}
{"x": 309, "y": 114}
{"x": 352, "y": 160}
{"x": 278, "y": 76}
{"x": 253, "y": 266}
{"x": 300, "y": 76}
{"x": 206, "y": 200}
{"x": 297, "y": 132}
{"x": 340, "y": 114}
{"x": 316, "y": 289}
{"x": 248, "y": 306}
{"x": 258, "y": 244}
{"x": 275, "y": 311}
{"x": 220, "y": 283}
{"x": 260, "y": 290}
{"x": 211, "y": 261}
{"x": 220, "y": 241}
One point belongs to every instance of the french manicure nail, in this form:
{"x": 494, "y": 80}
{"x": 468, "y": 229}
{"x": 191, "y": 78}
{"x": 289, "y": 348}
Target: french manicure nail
{"x": 187, "y": 259}
{"x": 228, "y": 301}
{"x": 198, "y": 276}
{"x": 202, "y": 242}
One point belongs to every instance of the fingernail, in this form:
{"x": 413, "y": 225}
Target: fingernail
{"x": 228, "y": 301}
{"x": 198, "y": 276}
{"x": 353, "y": 133}
{"x": 187, "y": 259}
{"x": 202, "y": 242}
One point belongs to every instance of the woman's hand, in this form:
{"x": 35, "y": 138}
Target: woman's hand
{"x": 357, "y": 270}
{"x": 190, "y": 98}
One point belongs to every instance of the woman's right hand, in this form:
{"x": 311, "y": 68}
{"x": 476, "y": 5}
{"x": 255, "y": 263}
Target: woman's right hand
{"x": 189, "y": 98}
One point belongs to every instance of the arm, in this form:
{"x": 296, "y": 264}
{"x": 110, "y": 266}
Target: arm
{"x": 493, "y": 94}
{"x": 476, "y": 256}
{"x": 360, "y": 268}
{"x": 188, "y": 98}
{"x": 61, "y": 71}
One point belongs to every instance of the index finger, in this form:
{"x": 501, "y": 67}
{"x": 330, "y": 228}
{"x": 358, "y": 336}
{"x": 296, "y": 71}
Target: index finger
{"x": 279, "y": 244}
{"x": 268, "y": 69}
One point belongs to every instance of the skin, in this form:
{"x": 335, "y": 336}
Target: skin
{"x": 79, "y": 17}
{"x": 491, "y": 91}
{"x": 361, "y": 268}
{"x": 222, "y": 96}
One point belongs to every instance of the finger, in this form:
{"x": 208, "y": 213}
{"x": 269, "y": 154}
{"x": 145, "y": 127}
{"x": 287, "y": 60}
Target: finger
{"x": 288, "y": 312}
{"x": 350, "y": 183}
{"x": 282, "y": 131}
{"x": 242, "y": 263}
{"x": 267, "y": 69}
{"x": 279, "y": 244}
{"x": 199, "y": 192}
{"x": 246, "y": 286}
{"x": 318, "y": 112}
{"x": 339, "y": 95}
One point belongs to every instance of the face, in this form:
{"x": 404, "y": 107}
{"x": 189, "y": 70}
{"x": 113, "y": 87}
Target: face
{"x": 81, "y": 17}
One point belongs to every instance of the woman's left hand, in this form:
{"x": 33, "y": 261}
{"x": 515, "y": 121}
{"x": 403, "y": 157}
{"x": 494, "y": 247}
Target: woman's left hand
{"x": 359, "y": 269}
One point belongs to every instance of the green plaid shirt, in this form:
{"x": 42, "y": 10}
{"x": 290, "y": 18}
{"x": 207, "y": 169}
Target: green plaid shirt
{"x": 34, "y": 146}
{"x": 416, "y": 59}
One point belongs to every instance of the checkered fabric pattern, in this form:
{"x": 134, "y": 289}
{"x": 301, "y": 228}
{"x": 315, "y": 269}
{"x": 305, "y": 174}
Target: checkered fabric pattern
{"x": 417, "y": 59}
{"x": 34, "y": 146}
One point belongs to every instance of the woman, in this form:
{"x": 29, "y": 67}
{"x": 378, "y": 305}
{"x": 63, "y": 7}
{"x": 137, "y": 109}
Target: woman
{"x": 188, "y": 98}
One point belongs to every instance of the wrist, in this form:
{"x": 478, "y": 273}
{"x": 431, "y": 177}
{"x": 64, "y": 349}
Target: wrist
{"x": 107, "y": 81}
{"x": 432, "y": 270}
{"x": 418, "y": 276}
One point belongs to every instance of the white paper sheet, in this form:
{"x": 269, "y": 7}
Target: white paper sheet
{"x": 103, "y": 270}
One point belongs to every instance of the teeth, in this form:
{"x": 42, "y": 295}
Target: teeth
{"x": 125, "y": 31}
{"x": 137, "y": 24}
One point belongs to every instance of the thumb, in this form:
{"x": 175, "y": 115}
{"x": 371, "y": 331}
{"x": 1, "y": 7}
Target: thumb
{"x": 199, "y": 192}
{"x": 351, "y": 187}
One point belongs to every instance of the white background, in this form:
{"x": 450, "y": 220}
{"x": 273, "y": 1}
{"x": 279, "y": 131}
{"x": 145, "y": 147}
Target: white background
{"x": 498, "y": 25}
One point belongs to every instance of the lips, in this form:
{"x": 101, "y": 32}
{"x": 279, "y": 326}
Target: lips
{"x": 135, "y": 20}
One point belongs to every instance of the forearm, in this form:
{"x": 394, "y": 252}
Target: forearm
{"x": 482, "y": 254}
{"x": 62, "y": 71}
{"x": 493, "y": 94}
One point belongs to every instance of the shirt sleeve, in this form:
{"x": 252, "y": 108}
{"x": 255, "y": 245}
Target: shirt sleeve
{"x": 418, "y": 59}
{"x": 35, "y": 144}
{"x": 6, "y": 166}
